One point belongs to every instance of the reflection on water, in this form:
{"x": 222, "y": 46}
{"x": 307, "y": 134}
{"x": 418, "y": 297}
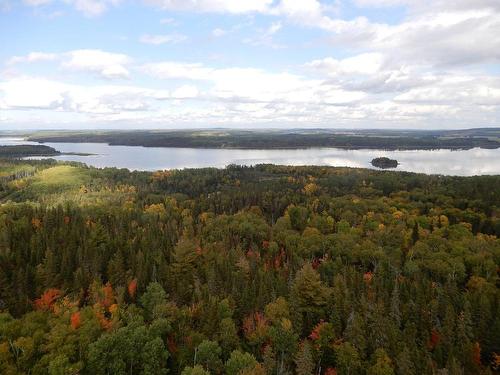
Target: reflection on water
{"x": 462, "y": 162}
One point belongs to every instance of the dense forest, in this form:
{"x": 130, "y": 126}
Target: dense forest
{"x": 247, "y": 270}
{"x": 284, "y": 139}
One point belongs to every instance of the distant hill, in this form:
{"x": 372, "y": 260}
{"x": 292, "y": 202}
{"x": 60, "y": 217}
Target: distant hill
{"x": 285, "y": 139}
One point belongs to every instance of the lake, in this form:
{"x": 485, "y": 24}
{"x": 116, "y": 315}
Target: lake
{"x": 460, "y": 163}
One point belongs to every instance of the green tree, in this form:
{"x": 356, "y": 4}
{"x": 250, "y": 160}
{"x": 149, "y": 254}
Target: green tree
{"x": 154, "y": 296}
{"x": 348, "y": 360}
{"x": 298, "y": 217}
{"x": 240, "y": 361}
{"x": 309, "y": 296}
{"x": 129, "y": 349}
{"x": 382, "y": 364}
{"x": 228, "y": 336}
{"x": 208, "y": 355}
{"x": 304, "y": 361}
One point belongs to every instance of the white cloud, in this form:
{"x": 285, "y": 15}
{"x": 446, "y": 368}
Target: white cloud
{"x": 274, "y": 28}
{"x": 254, "y": 85}
{"x": 217, "y": 32}
{"x": 168, "y": 21}
{"x": 33, "y": 93}
{"x": 439, "y": 35}
{"x": 185, "y": 92}
{"x": 303, "y": 11}
{"x": 90, "y": 8}
{"x": 431, "y": 5}
{"x": 217, "y": 6}
{"x": 177, "y": 70}
{"x": 264, "y": 37}
{"x": 366, "y": 63}
{"x": 105, "y": 64}
{"x": 457, "y": 91}
{"x": 32, "y": 57}
{"x": 45, "y": 94}
{"x": 162, "y": 39}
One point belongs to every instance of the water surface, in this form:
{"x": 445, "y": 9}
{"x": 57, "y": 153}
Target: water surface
{"x": 475, "y": 161}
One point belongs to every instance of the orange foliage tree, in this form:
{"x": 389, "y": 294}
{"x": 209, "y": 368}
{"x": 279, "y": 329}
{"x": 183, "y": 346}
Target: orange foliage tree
{"x": 47, "y": 299}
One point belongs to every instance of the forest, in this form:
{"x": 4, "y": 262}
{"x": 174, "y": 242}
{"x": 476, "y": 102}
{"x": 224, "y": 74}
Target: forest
{"x": 247, "y": 270}
{"x": 283, "y": 139}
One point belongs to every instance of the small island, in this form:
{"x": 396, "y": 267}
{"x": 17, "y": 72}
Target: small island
{"x": 19, "y": 151}
{"x": 385, "y": 163}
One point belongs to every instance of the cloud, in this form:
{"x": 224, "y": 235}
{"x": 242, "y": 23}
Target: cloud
{"x": 45, "y": 94}
{"x": 264, "y": 37}
{"x": 431, "y": 5}
{"x": 370, "y": 73}
{"x": 163, "y": 39}
{"x": 185, "y": 92}
{"x": 101, "y": 63}
{"x": 215, "y": 6}
{"x": 168, "y": 21}
{"x": 456, "y": 91}
{"x": 366, "y": 63}
{"x": 304, "y": 11}
{"x": 104, "y": 64}
{"x": 254, "y": 85}
{"x": 442, "y": 34}
{"x": 217, "y": 32}
{"x": 32, "y": 57}
{"x": 33, "y": 93}
{"x": 90, "y": 8}
{"x": 441, "y": 39}
{"x": 178, "y": 70}
{"x": 268, "y": 98}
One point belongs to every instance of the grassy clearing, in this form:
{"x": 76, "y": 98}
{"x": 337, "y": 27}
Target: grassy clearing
{"x": 59, "y": 179}
{"x": 57, "y": 184}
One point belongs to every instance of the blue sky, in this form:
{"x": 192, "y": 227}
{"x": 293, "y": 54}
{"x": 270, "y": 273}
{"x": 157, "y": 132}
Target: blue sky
{"x": 259, "y": 64}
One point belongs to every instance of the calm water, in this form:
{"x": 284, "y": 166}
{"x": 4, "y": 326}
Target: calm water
{"x": 463, "y": 163}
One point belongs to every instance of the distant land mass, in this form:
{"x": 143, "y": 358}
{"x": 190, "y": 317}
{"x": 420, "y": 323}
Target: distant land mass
{"x": 283, "y": 139}
{"x": 27, "y": 150}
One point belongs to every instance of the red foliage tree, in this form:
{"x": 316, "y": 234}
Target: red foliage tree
{"x": 132, "y": 288}
{"x": 108, "y": 295}
{"x": 47, "y": 299}
{"x": 367, "y": 277}
{"x": 476, "y": 353}
{"x": 434, "y": 340}
{"x": 255, "y": 326}
{"x": 171, "y": 345}
{"x": 75, "y": 320}
{"x": 103, "y": 321}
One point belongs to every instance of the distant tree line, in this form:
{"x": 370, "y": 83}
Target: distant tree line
{"x": 275, "y": 139}
{"x": 27, "y": 150}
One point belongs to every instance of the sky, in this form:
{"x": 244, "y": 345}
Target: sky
{"x": 176, "y": 64}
